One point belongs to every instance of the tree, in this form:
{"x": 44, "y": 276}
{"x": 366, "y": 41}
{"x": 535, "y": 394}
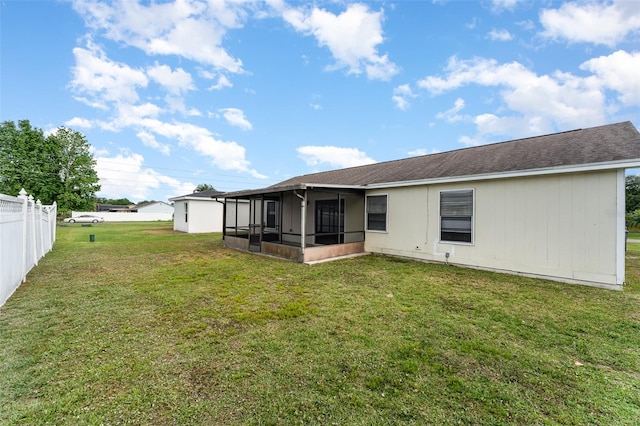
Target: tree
{"x": 632, "y": 193}
{"x": 76, "y": 170}
{"x": 204, "y": 187}
{"x": 25, "y": 161}
{"x": 58, "y": 167}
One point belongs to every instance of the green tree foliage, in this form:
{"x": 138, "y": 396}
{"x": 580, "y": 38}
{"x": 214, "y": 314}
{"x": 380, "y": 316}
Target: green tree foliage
{"x": 58, "y": 167}
{"x": 204, "y": 187}
{"x": 26, "y": 161}
{"x": 632, "y": 193}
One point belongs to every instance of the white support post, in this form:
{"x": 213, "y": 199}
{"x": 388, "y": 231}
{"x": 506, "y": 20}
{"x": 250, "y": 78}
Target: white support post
{"x": 303, "y": 223}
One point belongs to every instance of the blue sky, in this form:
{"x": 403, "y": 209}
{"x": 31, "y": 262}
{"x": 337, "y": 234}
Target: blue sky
{"x": 245, "y": 94}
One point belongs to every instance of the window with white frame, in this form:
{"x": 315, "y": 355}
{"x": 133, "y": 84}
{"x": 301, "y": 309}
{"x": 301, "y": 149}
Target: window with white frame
{"x": 456, "y": 216}
{"x": 186, "y": 211}
{"x": 376, "y": 212}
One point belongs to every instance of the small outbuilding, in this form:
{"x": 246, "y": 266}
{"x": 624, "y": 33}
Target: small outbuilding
{"x": 200, "y": 212}
{"x": 549, "y": 206}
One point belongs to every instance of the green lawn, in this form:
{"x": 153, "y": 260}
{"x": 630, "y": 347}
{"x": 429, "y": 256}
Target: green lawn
{"x": 148, "y": 326}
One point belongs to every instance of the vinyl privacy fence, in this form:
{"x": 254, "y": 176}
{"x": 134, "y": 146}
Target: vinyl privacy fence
{"x": 27, "y": 233}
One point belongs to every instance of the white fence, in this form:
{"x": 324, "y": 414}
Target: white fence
{"x": 27, "y": 233}
{"x": 127, "y": 217}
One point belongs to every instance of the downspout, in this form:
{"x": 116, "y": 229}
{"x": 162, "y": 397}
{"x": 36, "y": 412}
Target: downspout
{"x": 303, "y": 219}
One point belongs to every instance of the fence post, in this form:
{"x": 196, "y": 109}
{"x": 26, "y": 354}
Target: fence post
{"x": 34, "y": 241}
{"x": 53, "y": 223}
{"x": 39, "y": 227}
{"x": 23, "y": 196}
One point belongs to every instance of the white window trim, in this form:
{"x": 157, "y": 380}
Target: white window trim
{"x": 473, "y": 218}
{"x": 366, "y": 215}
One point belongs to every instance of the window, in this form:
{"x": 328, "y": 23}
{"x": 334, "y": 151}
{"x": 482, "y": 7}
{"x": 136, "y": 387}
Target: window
{"x": 456, "y": 216}
{"x": 186, "y": 211}
{"x": 376, "y": 213}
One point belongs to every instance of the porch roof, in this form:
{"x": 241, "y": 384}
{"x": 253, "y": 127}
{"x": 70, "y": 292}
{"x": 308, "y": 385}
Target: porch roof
{"x": 293, "y": 187}
{"x": 612, "y": 146}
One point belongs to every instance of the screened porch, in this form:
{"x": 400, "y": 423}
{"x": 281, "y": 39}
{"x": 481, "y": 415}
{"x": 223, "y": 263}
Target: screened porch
{"x": 301, "y": 224}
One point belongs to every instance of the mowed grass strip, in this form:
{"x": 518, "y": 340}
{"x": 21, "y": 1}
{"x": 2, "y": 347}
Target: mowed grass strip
{"x": 149, "y": 326}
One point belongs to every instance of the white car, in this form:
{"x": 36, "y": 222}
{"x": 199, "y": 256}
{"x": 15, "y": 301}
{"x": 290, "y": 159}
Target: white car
{"x": 85, "y": 218}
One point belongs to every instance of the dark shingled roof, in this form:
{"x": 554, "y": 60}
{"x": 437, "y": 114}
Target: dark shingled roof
{"x": 611, "y": 143}
{"x": 614, "y": 142}
{"x": 210, "y": 193}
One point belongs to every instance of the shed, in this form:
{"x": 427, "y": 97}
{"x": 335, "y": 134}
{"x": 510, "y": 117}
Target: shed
{"x": 199, "y": 212}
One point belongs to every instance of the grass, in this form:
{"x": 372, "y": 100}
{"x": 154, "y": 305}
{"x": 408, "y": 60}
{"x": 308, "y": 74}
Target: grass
{"x": 149, "y": 326}
{"x": 634, "y": 235}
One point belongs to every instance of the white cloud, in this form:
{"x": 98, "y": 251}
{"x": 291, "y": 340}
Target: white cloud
{"x": 620, "y": 72}
{"x": 500, "y": 35}
{"x": 333, "y": 156}
{"x": 79, "y": 122}
{"x": 423, "y": 151}
{"x": 190, "y": 29}
{"x": 123, "y": 175}
{"x": 352, "y": 37}
{"x": 226, "y": 155}
{"x": 114, "y": 86}
{"x": 597, "y": 23}
{"x": 235, "y": 117}
{"x": 149, "y": 140}
{"x": 451, "y": 115}
{"x": 499, "y": 5}
{"x": 103, "y": 79}
{"x": 222, "y": 82}
{"x": 175, "y": 82}
{"x": 401, "y": 96}
{"x": 532, "y": 103}
{"x": 527, "y": 25}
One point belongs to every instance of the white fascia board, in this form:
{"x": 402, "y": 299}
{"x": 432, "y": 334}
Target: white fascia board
{"x": 616, "y": 165}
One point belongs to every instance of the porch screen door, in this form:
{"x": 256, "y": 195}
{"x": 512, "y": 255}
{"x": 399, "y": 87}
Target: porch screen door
{"x": 329, "y": 222}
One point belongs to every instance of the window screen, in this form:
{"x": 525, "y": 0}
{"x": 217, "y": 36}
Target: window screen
{"x": 377, "y": 213}
{"x": 456, "y": 216}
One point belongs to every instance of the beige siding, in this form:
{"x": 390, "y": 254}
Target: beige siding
{"x": 563, "y": 226}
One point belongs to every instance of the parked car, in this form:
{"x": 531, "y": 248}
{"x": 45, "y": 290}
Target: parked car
{"x": 85, "y": 218}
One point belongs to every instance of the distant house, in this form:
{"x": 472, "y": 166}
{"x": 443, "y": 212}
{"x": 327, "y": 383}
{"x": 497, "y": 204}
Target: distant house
{"x": 145, "y": 212}
{"x": 549, "y": 206}
{"x": 155, "y": 207}
{"x": 198, "y": 212}
{"x": 116, "y": 208}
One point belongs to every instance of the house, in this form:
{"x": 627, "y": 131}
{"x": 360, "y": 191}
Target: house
{"x": 158, "y": 207}
{"x": 548, "y": 206}
{"x": 115, "y": 208}
{"x": 199, "y": 212}
{"x": 143, "y": 212}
